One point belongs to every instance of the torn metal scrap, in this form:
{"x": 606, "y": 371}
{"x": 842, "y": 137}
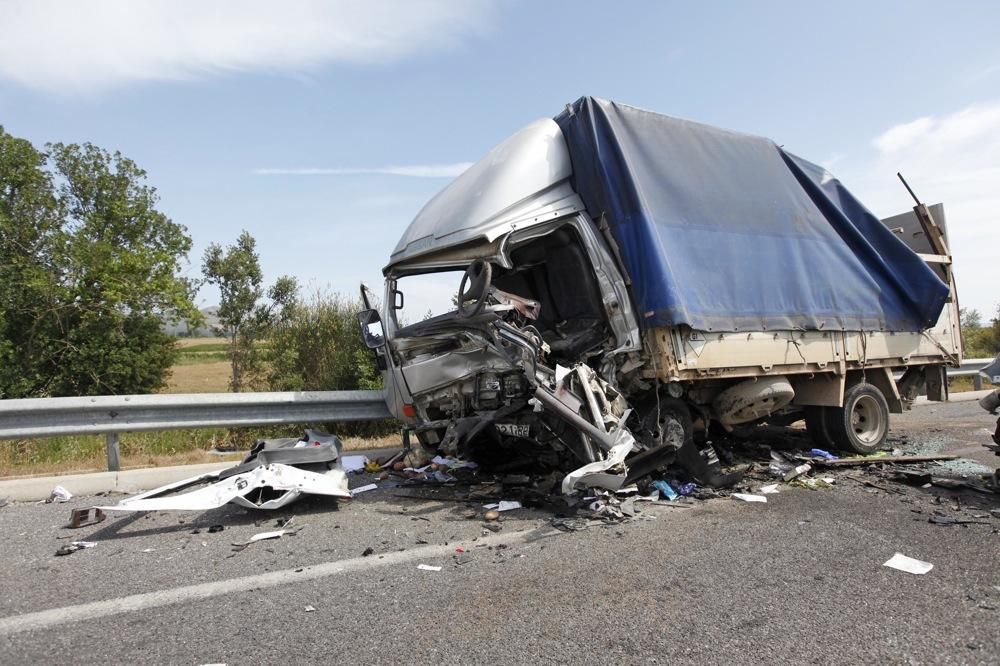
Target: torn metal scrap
{"x": 273, "y": 475}
{"x": 86, "y": 517}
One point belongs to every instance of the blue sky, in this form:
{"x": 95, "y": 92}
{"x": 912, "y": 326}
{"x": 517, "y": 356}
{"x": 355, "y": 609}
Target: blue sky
{"x": 206, "y": 95}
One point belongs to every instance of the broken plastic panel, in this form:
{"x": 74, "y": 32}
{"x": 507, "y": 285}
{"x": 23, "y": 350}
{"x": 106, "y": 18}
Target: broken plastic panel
{"x": 273, "y": 475}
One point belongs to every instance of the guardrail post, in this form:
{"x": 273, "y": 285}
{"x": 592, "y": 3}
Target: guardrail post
{"x": 977, "y": 382}
{"x": 113, "y": 452}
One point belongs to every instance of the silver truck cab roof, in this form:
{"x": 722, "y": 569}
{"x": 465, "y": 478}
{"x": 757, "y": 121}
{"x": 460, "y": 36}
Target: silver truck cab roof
{"x": 521, "y": 182}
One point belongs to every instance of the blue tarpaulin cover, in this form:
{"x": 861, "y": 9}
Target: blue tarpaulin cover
{"x": 724, "y": 231}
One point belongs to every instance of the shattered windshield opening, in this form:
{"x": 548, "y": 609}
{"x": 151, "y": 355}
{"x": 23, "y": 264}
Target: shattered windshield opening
{"x": 426, "y": 295}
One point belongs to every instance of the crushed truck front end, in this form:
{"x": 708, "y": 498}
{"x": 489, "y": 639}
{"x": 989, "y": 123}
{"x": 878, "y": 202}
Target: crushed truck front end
{"x": 595, "y": 331}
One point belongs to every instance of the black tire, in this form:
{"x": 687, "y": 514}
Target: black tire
{"x": 862, "y": 424}
{"x": 816, "y": 427}
{"x": 663, "y": 430}
{"x": 665, "y": 424}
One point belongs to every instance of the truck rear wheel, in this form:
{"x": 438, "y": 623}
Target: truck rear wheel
{"x": 862, "y": 424}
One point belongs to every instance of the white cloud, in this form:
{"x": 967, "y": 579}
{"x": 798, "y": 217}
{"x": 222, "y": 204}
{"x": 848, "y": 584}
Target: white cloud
{"x": 411, "y": 170}
{"x": 954, "y": 159}
{"x": 76, "y": 45}
{"x": 901, "y": 136}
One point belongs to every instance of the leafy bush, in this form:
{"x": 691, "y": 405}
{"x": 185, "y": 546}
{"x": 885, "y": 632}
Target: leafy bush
{"x": 316, "y": 346}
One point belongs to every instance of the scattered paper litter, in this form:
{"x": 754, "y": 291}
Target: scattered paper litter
{"x": 260, "y": 536}
{"x": 770, "y": 489}
{"x": 363, "y": 489}
{"x": 353, "y": 463}
{"x": 908, "y": 564}
{"x": 60, "y": 494}
{"x": 504, "y": 505}
{"x": 453, "y": 463}
{"x": 749, "y": 498}
{"x": 84, "y": 544}
{"x": 310, "y": 609}
{"x": 428, "y": 567}
{"x": 148, "y": 550}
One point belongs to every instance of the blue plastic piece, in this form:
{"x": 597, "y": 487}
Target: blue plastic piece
{"x": 665, "y": 490}
{"x": 724, "y": 231}
{"x": 687, "y": 488}
{"x": 823, "y": 454}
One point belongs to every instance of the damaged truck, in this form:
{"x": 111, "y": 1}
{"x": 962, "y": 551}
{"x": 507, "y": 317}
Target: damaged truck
{"x": 625, "y": 282}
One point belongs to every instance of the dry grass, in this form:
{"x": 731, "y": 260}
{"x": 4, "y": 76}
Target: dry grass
{"x": 960, "y": 384}
{"x": 364, "y": 443}
{"x": 99, "y": 463}
{"x": 67, "y": 455}
{"x": 212, "y": 377}
{"x": 195, "y": 342}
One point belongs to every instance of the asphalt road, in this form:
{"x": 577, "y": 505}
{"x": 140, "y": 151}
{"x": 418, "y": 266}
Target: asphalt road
{"x": 796, "y": 580}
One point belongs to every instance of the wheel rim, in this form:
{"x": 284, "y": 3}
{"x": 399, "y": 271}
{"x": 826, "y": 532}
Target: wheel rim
{"x": 867, "y": 421}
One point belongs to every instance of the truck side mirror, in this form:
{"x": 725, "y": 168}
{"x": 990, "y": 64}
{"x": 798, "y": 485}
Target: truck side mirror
{"x": 371, "y": 329}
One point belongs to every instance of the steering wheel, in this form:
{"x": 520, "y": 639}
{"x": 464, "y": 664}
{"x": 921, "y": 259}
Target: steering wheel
{"x": 475, "y": 286}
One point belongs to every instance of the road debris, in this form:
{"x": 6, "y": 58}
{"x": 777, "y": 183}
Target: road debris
{"x": 60, "y": 494}
{"x": 364, "y": 489}
{"x": 770, "y": 489}
{"x": 951, "y": 520}
{"x": 274, "y": 474}
{"x": 746, "y": 497}
{"x": 504, "y": 505}
{"x": 310, "y": 609}
{"x": 665, "y": 489}
{"x": 262, "y": 536}
{"x": 351, "y": 464}
{"x": 879, "y": 460}
{"x": 797, "y": 472}
{"x": 86, "y": 517}
{"x": 428, "y": 567}
{"x": 75, "y": 546}
{"x": 570, "y": 524}
{"x": 908, "y": 564}
{"x": 823, "y": 454}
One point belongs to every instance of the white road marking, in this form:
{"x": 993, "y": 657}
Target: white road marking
{"x": 54, "y": 617}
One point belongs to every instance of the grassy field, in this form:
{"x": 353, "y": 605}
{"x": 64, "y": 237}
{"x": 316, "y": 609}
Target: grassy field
{"x": 201, "y": 368}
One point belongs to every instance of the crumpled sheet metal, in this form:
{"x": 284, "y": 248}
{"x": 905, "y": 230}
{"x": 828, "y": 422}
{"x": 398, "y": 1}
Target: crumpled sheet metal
{"x": 239, "y": 489}
{"x": 595, "y": 474}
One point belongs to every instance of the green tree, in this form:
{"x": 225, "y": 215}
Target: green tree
{"x": 89, "y": 271}
{"x": 970, "y": 318}
{"x": 317, "y": 346}
{"x": 244, "y": 314}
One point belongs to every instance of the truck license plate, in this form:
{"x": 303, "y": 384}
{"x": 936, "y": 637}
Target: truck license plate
{"x": 512, "y": 429}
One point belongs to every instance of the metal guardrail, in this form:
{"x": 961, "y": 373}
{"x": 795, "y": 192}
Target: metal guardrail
{"x": 973, "y": 367}
{"x": 114, "y": 414}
